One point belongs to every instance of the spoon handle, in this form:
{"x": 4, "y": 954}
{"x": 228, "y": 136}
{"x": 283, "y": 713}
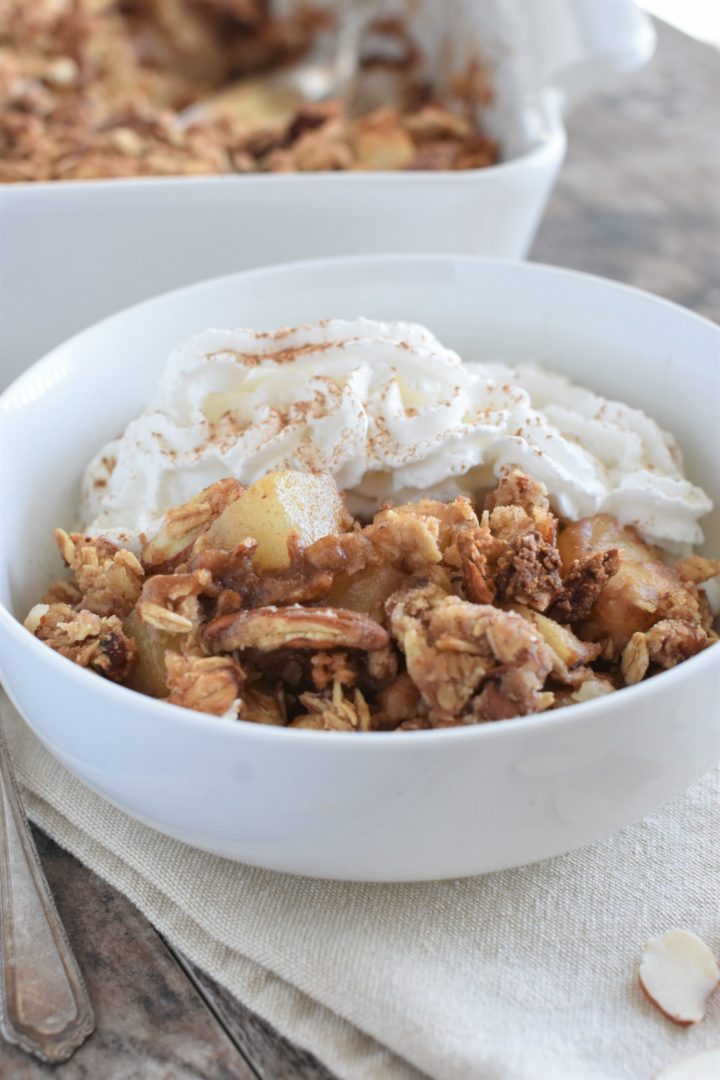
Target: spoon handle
{"x": 354, "y": 18}
{"x": 44, "y": 1006}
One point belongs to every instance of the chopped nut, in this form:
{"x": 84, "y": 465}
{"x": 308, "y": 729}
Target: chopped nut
{"x": 127, "y": 141}
{"x": 678, "y": 974}
{"x": 517, "y": 489}
{"x": 396, "y": 536}
{"x": 35, "y": 616}
{"x": 419, "y": 724}
{"x": 323, "y": 150}
{"x": 62, "y": 72}
{"x": 295, "y": 628}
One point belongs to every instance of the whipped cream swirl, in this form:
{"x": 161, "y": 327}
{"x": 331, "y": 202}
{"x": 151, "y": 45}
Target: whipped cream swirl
{"x": 392, "y": 414}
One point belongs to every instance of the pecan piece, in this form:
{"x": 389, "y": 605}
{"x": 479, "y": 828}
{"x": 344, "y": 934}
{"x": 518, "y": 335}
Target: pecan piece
{"x": 272, "y": 628}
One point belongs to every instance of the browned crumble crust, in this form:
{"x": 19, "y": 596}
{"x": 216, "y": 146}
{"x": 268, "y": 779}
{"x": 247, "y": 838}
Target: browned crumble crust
{"x": 107, "y": 578}
{"x": 517, "y": 489}
{"x": 183, "y": 524}
{"x": 642, "y": 591}
{"x": 210, "y": 684}
{"x": 472, "y": 547}
{"x": 582, "y": 585}
{"x": 668, "y": 643}
{"x": 469, "y": 661}
{"x": 91, "y": 89}
{"x": 431, "y": 615}
{"x": 528, "y": 572}
{"x": 92, "y": 641}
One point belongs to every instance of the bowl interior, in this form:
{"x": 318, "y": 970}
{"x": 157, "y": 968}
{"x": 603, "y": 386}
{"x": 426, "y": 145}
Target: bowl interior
{"x": 620, "y": 342}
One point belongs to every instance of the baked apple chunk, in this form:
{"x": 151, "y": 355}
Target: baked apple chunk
{"x": 284, "y": 509}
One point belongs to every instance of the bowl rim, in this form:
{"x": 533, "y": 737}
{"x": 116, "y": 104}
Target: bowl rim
{"x": 50, "y": 358}
{"x": 550, "y": 145}
{"x": 694, "y": 666}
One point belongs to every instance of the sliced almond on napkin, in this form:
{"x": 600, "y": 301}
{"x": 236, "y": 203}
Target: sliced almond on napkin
{"x": 705, "y": 1066}
{"x": 679, "y": 973}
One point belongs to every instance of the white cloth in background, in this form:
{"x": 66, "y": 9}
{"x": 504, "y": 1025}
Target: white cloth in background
{"x": 528, "y": 974}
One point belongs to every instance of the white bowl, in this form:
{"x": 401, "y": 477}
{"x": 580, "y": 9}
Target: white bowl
{"x": 75, "y": 251}
{"x": 378, "y": 806}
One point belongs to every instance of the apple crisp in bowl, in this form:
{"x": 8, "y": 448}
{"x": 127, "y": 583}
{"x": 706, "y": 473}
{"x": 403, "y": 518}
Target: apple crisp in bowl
{"x": 270, "y": 602}
{"x": 503, "y": 541}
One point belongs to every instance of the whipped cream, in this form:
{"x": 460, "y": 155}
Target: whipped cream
{"x": 392, "y": 414}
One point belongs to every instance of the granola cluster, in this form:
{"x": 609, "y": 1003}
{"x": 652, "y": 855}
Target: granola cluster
{"x": 95, "y": 88}
{"x": 432, "y": 615}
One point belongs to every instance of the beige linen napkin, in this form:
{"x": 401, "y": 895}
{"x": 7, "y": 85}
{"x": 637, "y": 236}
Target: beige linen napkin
{"x": 528, "y": 974}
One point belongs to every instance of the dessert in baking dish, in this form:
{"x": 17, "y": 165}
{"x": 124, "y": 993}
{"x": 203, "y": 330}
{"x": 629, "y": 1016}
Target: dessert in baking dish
{"x": 94, "y": 88}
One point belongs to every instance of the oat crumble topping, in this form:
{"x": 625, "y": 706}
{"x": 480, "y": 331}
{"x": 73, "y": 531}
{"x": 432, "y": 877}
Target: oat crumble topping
{"x": 434, "y": 614}
{"x": 94, "y": 88}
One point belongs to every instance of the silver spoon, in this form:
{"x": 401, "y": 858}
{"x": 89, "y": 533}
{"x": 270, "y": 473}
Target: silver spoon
{"x": 44, "y": 1006}
{"x": 270, "y": 100}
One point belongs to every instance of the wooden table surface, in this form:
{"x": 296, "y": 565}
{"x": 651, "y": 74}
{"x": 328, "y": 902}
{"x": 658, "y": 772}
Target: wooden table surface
{"x": 639, "y": 201}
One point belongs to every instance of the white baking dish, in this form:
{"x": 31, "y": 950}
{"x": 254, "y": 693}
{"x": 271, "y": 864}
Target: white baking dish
{"x": 72, "y": 252}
